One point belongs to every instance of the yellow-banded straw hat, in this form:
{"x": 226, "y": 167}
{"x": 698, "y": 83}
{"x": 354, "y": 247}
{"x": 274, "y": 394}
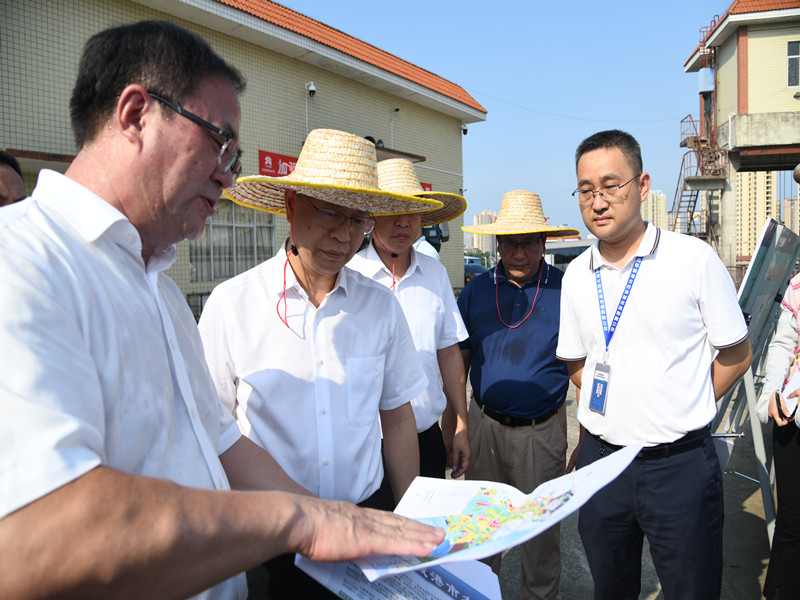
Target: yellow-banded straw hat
{"x": 333, "y": 166}
{"x": 399, "y": 175}
{"x": 520, "y": 212}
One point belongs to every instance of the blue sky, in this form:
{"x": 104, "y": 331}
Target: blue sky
{"x": 549, "y": 74}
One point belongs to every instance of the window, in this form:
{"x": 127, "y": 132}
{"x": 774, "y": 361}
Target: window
{"x": 794, "y": 64}
{"x": 235, "y": 239}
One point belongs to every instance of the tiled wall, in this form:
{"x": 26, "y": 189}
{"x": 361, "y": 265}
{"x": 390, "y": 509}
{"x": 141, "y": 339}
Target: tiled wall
{"x": 40, "y": 45}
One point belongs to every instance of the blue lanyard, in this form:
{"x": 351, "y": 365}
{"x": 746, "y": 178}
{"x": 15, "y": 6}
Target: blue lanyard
{"x": 601, "y": 299}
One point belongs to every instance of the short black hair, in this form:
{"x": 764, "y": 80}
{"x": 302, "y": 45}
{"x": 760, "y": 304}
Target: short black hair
{"x": 11, "y": 161}
{"x": 159, "y": 55}
{"x": 613, "y": 138}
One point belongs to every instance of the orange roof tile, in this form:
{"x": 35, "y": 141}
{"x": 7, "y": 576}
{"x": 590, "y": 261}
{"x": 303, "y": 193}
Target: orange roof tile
{"x": 319, "y": 32}
{"x": 748, "y": 6}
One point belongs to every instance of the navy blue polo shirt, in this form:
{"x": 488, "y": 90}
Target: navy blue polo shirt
{"x": 515, "y": 371}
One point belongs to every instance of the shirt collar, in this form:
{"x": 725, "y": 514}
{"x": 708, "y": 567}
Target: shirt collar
{"x": 291, "y": 279}
{"x": 375, "y": 264}
{"x": 93, "y": 217}
{"x": 647, "y": 247}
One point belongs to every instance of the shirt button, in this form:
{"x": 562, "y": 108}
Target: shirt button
{"x": 130, "y": 238}
{"x": 325, "y": 462}
{"x": 194, "y": 414}
{"x": 320, "y": 362}
{"x": 323, "y": 411}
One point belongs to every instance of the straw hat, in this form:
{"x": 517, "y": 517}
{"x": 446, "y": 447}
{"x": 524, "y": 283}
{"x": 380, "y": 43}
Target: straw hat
{"x": 333, "y": 166}
{"x": 398, "y": 175}
{"x": 520, "y": 212}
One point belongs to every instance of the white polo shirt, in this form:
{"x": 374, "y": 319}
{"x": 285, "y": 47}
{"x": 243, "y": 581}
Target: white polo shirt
{"x": 430, "y": 308}
{"x": 682, "y": 305}
{"x": 310, "y": 393}
{"x": 102, "y": 363}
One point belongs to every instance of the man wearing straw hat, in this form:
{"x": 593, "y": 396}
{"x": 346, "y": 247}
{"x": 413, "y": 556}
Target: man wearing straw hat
{"x": 313, "y": 359}
{"x": 121, "y": 475}
{"x": 423, "y": 288}
{"x": 517, "y": 420}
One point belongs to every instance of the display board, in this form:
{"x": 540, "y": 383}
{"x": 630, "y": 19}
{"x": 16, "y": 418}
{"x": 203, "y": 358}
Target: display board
{"x": 760, "y": 295}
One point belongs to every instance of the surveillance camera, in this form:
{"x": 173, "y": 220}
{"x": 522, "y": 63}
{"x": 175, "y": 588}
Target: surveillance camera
{"x": 463, "y": 129}
{"x": 312, "y": 90}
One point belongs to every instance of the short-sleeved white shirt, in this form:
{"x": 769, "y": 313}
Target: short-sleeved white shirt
{"x": 682, "y": 305}
{"x": 102, "y": 363}
{"x": 430, "y": 308}
{"x": 310, "y": 393}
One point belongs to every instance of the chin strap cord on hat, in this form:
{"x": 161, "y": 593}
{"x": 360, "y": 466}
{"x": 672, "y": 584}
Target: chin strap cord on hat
{"x": 293, "y": 250}
{"x": 497, "y": 302}
{"x": 394, "y": 259}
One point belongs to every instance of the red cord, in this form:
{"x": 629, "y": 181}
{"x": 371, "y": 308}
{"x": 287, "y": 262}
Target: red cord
{"x": 394, "y": 258}
{"x": 497, "y": 302}
{"x": 294, "y": 251}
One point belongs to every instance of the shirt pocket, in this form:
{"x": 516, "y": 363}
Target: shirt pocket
{"x": 364, "y": 389}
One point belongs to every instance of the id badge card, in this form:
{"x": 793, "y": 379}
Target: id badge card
{"x": 597, "y": 401}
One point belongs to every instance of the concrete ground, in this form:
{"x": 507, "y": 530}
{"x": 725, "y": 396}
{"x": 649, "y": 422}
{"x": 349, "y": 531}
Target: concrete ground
{"x": 746, "y": 547}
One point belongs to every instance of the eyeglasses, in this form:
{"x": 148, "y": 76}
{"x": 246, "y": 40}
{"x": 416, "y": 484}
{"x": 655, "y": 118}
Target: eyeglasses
{"x": 609, "y": 193}
{"x": 229, "y": 157}
{"x": 333, "y": 219}
{"x": 512, "y": 246}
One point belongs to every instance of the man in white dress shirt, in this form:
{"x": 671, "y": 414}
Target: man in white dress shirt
{"x": 422, "y": 287}
{"x": 313, "y": 359}
{"x": 117, "y": 463}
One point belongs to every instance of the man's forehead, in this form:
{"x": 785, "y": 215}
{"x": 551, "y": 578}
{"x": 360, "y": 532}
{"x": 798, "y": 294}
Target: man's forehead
{"x": 606, "y": 164}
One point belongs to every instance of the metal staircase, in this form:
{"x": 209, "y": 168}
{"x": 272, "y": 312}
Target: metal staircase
{"x": 704, "y": 168}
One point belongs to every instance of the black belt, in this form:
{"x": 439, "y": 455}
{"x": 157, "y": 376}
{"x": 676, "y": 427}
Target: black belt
{"x": 692, "y": 440}
{"x": 511, "y": 420}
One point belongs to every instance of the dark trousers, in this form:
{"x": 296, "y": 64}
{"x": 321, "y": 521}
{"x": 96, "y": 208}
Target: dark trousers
{"x": 279, "y": 579}
{"x": 676, "y": 501}
{"x": 784, "y": 561}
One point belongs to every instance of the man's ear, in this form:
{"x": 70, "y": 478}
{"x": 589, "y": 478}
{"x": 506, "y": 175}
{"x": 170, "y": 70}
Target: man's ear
{"x": 289, "y": 197}
{"x": 133, "y": 108}
{"x": 644, "y": 185}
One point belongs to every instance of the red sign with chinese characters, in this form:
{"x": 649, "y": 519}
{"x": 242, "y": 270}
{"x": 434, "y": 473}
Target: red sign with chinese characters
{"x": 275, "y": 165}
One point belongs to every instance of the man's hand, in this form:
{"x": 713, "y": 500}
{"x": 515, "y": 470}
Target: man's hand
{"x": 337, "y": 531}
{"x": 456, "y": 442}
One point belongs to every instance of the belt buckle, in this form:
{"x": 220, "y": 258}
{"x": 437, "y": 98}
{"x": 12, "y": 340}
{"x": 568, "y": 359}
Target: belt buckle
{"x": 506, "y": 420}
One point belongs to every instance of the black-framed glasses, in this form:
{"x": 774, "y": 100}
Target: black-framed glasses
{"x": 229, "y": 156}
{"x": 609, "y": 193}
{"x": 333, "y": 219}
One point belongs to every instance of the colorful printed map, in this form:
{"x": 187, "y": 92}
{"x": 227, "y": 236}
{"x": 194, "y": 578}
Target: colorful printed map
{"x": 489, "y": 515}
{"x": 482, "y": 518}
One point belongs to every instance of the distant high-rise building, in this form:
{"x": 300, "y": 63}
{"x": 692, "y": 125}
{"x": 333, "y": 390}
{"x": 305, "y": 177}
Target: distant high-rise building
{"x": 484, "y": 243}
{"x": 654, "y": 209}
{"x": 469, "y": 241}
{"x": 791, "y": 212}
{"x": 756, "y": 201}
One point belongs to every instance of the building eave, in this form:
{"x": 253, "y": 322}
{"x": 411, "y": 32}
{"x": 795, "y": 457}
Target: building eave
{"x": 244, "y": 26}
{"x": 731, "y": 23}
